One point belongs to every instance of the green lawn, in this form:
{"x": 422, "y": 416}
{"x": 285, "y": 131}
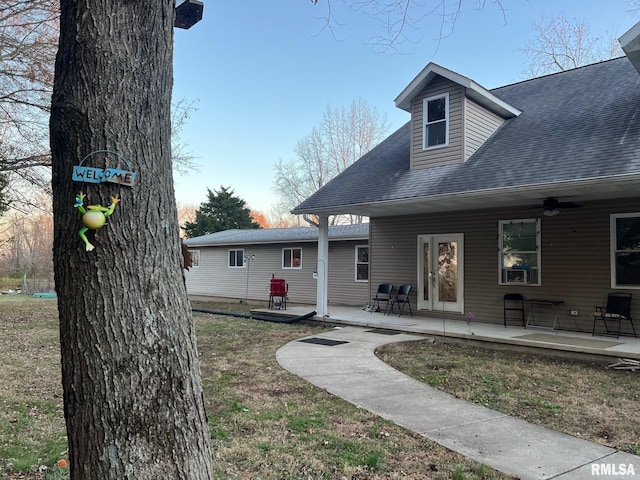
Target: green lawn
{"x": 265, "y": 422}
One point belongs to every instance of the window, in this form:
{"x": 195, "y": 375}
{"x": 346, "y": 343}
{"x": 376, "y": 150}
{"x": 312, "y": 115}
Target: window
{"x": 291, "y": 258}
{"x": 236, "y": 258}
{"x": 362, "y": 263}
{"x": 436, "y": 121}
{"x": 625, "y": 250}
{"x": 195, "y": 257}
{"x": 519, "y": 260}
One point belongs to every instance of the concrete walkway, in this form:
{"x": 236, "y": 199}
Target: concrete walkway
{"x": 342, "y": 362}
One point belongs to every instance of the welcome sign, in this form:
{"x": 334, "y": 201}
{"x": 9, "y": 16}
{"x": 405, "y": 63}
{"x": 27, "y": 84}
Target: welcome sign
{"x": 85, "y": 174}
{"x": 99, "y": 175}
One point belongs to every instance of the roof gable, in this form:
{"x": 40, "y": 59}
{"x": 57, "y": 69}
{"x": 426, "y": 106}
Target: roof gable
{"x": 473, "y": 90}
{"x": 630, "y": 43}
{"x": 578, "y": 134}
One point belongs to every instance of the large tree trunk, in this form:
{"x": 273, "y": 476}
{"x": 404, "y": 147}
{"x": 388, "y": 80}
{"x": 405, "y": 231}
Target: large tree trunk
{"x": 133, "y": 399}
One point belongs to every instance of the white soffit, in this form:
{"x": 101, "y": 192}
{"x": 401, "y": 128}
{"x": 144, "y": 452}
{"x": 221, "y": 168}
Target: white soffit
{"x": 473, "y": 90}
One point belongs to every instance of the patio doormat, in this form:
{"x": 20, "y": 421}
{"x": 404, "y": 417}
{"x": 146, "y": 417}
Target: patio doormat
{"x": 323, "y": 341}
{"x": 384, "y": 332}
{"x": 578, "y": 342}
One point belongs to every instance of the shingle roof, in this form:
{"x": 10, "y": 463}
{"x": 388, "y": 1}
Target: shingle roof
{"x": 581, "y": 125}
{"x": 279, "y": 235}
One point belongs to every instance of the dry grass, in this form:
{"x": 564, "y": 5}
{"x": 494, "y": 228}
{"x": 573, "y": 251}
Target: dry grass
{"x": 583, "y": 399}
{"x": 32, "y": 430}
{"x": 265, "y": 422}
{"x": 269, "y": 424}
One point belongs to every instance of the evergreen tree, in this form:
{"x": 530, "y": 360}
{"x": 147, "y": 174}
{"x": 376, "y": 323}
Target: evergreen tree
{"x": 222, "y": 211}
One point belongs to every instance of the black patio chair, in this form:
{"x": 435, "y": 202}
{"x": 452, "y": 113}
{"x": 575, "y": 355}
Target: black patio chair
{"x": 618, "y": 309}
{"x": 513, "y": 302}
{"x": 382, "y": 295}
{"x": 401, "y": 299}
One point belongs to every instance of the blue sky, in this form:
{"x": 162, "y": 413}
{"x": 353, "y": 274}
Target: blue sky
{"x": 263, "y": 73}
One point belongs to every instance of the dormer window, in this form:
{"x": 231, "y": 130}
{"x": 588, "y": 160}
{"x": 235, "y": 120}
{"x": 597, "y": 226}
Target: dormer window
{"x": 436, "y": 122}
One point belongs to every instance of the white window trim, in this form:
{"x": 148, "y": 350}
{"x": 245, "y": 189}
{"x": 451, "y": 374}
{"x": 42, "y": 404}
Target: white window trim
{"x": 425, "y": 117}
{"x": 292, "y": 267}
{"x": 236, "y": 250}
{"x": 539, "y": 251}
{"x": 191, "y": 251}
{"x": 613, "y": 242}
{"x": 355, "y": 273}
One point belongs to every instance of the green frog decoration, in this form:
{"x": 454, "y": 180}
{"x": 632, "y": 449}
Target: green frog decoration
{"x": 93, "y": 217}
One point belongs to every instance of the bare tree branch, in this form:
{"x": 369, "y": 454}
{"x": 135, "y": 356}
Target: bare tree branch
{"x": 26, "y": 243}
{"x": 403, "y": 20}
{"x": 183, "y": 160}
{"x": 28, "y": 44}
{"x": 342, "y": 137}
{"x": 561, "y": 44}
{"x": 29, "y": 32}
{"x": 633, "y": 7}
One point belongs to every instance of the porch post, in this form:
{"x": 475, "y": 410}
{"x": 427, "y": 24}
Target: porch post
{"x": 323, "y": 266}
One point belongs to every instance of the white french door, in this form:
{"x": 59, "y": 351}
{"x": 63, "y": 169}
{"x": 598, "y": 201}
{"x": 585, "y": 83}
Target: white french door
{"x": 441, "y": 272}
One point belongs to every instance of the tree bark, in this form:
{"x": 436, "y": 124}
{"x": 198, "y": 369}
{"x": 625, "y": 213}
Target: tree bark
{"x": 133, "y": 399}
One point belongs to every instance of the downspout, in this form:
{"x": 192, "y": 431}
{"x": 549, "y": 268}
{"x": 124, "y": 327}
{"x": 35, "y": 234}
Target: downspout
{"x": 323, "y": 263}
{"x": 310, "y": 220}
{"x": 264, "y": 318}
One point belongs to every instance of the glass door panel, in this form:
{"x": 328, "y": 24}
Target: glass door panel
{"x": 440, "y": 279}
{"x": 425, "y": 271}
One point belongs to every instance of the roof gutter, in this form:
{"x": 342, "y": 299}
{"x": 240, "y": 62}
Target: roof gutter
{"x": 594, "y": 184}
{"x": 229, "y": 243}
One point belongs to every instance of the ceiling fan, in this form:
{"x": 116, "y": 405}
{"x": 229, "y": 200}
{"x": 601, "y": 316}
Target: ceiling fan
{"x": 551, "y": 206}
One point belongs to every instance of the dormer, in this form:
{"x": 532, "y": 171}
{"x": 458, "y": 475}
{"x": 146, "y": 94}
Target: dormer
{"x": 630, "y": 43}
{"x": 451, "y": 116}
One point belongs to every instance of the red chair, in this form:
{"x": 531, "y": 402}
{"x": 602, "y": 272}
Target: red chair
{"x": 278, "y": 289}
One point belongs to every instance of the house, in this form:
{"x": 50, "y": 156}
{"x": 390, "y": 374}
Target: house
{"x": 530, "y": 188}
{"x": 239, "y": 264}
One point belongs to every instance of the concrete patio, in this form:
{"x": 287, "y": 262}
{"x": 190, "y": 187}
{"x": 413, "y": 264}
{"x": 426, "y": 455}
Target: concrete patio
{"x": 562, "y": 342}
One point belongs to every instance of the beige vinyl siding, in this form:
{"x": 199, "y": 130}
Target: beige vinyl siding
{"x": 575, "y": 258}
{"x": 213, "y": 278}
{"x": 302, "y": 286}
{"x": 453, "y": 153}
{"x": 479, "y": 126}
{"x": 343, "y": 288}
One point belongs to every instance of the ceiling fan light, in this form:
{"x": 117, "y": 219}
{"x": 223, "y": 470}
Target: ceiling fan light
{"x": 550, "y": 212}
